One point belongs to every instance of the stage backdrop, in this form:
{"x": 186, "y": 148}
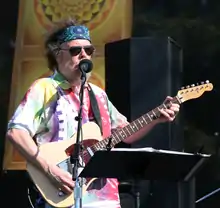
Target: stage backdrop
{"x": 108, "y": 20}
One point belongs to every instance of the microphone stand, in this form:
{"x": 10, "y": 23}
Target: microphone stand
{"x": 75, "y": 156}
{"x": 208, "y": 195}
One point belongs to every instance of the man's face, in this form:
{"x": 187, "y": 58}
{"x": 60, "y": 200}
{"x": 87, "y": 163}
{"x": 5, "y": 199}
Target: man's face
{"x": 70, "y": 55}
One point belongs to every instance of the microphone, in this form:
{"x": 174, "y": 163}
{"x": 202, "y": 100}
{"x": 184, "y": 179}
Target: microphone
{"x": 85, "y": 65}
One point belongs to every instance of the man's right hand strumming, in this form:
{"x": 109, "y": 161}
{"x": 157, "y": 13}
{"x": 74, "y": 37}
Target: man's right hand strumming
{"x": 27, "y": 147}
{"x": 61, "y": 179}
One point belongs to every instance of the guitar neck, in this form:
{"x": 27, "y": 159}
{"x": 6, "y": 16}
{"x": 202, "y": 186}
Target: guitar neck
{"x": 133, "y": 127}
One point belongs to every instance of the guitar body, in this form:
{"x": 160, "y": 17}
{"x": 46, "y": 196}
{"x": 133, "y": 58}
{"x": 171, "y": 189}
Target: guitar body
{"x": 56, "y": 152}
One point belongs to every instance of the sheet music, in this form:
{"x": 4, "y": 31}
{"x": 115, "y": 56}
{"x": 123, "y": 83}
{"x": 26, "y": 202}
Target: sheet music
{"x": 150, "y": 149}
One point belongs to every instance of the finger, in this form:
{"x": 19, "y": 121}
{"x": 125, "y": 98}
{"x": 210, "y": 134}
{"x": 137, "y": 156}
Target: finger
{"x": 169, "y": 112}
{"x": 63, "y": 181}
{"x": 175, "y": 105}
{"x": 68, "y": 182}
{"x": 169, "y": 98}
{"x": 68, "y": 176}
{"x": 168, "y": 101}
{"x": 66, "y": 189}
{"x": 174, "y": 109}
{"x": 164, "y": 113}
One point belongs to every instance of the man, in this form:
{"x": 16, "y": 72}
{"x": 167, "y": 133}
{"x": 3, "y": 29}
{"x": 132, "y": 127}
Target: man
{"x": 48, "y": 110}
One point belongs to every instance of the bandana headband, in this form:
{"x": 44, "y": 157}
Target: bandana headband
{"x": 74, "y": 33}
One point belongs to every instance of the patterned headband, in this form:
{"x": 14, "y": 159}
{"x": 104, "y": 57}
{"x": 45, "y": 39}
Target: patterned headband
{"x": 73, "y": 33}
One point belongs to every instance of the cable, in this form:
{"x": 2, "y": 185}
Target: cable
{"x": 29, "y": 198}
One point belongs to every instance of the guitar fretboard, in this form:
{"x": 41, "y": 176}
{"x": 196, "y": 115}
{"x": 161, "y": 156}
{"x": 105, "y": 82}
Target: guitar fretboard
{"x": 133, "y": 127}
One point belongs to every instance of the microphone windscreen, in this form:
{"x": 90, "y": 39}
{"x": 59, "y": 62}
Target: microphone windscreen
{"x": 86, "y": 65}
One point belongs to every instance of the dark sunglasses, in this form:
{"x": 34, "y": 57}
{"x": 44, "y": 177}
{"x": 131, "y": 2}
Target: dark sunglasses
{"x": 76, "y": 50}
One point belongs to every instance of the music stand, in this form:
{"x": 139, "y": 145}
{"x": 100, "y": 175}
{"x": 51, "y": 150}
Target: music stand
{"x": 143, "y": 163}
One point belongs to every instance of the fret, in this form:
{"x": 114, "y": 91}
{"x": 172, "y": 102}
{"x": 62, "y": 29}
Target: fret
{"x": 159, "y": 108}
{"x": 138, "y": 124}
{"x": 164, "y": 105}
{"x": 141, "y": 120}
{"x": 121, "y": 132}
{"x": 93, "y": 148}
{"x": 115, "y": 136}
{"x": 118, "y": 139}
{"x": 102, "y": 144}
{"x": 98, "y": 145}
{"x": 135, "y": 126}
{"x": 114, "y": 142}
{"x": 144, "y": 120}
{"x": 154, "y": 114}
{"x": 105, "y": 141}
{"x": 176, "y": 100}
{"x": 132, "y": 127}
{"x": 127, "y": 128}
{"x": 149, "y": 117}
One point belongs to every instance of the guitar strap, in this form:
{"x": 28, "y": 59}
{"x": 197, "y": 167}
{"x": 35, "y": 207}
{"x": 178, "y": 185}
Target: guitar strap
{"x": 95, "y": 108}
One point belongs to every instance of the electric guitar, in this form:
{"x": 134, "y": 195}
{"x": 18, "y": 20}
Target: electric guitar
{"x": 59, "y": 152}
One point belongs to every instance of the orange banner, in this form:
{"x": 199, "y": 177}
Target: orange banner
{"x": 108, "y": 20}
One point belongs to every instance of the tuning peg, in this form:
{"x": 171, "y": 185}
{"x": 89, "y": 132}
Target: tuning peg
{"x": 202, "y": 83}
{"x": 207, "y": 81}
{"x": 192, "y": 85}
{"x": 197, "y": 84}
{"x": 188, "y": 86}
{"x": 182, "y": 88}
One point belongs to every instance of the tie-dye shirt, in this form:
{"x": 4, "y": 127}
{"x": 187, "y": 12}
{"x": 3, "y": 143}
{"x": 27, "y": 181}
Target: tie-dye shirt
{"x": 47, "y": 112}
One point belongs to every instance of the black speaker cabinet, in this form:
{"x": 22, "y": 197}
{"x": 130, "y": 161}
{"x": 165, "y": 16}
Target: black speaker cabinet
{"x": 139, "y": 74}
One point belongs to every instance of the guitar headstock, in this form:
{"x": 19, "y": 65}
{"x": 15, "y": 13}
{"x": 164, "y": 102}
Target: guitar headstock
{"x": 194, "y": 91}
